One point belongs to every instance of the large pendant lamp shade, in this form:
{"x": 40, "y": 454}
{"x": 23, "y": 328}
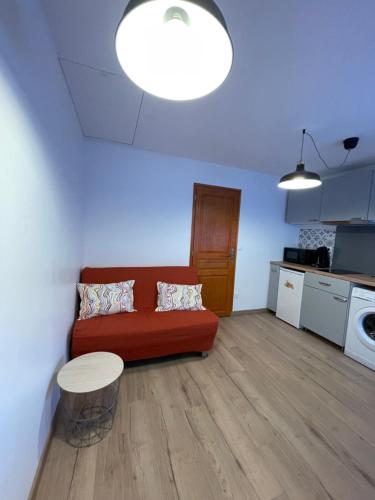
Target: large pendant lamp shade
{"x": 174, "y": 49}
{"x": 301, "y": 178}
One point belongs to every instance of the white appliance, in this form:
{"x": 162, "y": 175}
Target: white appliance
{"x": 289, "y": 296}
{"x": 360, "y": 334}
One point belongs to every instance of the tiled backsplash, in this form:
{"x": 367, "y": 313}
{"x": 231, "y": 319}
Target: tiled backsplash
{"x": 317, "y": 236}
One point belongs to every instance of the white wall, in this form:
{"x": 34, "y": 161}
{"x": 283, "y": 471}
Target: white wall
{"x": 139, "y": 208}
{"x": 40, "y": 237}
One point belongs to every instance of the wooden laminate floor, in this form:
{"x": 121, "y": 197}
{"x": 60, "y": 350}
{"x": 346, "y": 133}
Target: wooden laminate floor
{"x": 272, "y": 413}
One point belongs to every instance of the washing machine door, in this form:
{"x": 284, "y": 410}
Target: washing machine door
{"x": 365, "y": 327}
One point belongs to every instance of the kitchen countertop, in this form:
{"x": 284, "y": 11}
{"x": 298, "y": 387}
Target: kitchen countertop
{"x": 359, "y": 279}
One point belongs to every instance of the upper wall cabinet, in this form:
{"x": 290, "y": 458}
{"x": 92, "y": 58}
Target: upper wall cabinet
{"x": 346, "y": 197}
{"x": 303, "y": 207}
{"x": 371, "y": 212}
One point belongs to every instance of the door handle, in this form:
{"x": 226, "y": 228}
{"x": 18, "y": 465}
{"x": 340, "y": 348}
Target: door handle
{"x": 232, "y": 255}
{"x": 323, "y": 283}
{"x": 339, "y": 299}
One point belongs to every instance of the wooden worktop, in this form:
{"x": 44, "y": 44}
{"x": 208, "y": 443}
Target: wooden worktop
{"x": 359, "y": 279}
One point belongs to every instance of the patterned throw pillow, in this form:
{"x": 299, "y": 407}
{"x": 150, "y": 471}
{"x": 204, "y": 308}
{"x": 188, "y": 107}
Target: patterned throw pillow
{"x": 101, "y": 300}
{"x": 179, "y": 297}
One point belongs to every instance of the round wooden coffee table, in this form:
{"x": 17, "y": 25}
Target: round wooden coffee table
{"x": 89, "y": 385}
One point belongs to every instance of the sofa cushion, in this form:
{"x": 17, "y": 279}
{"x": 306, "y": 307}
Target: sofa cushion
{"x": 146, "y": 334}
{"x": 105, "y": 299}
{"x": 174, "y": 297}
{"x": 145, "y": 290}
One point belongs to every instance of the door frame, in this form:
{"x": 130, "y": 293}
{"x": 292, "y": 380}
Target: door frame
{"x": 239, "y": 192}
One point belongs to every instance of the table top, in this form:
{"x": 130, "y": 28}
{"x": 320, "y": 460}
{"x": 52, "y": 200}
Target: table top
{"x": 358, "y": 279}
{"x": 90, "y": 372}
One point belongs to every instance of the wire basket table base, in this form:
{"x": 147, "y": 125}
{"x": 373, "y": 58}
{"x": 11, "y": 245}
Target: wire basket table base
{"x": 89, "y": 417}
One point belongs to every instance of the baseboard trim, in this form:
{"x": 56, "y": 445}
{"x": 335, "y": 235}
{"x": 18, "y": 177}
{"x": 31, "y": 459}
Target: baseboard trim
{"x": 42, "y": 460}
{"x": 248, "y": 311}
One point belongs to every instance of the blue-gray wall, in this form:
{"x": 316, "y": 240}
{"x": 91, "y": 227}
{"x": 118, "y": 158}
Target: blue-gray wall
{"x": 40, "y": 242}
{"x": 139, "y": 207}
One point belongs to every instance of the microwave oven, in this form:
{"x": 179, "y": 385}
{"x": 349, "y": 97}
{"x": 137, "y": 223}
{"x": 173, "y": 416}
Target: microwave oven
{"x": 303, "y": 256}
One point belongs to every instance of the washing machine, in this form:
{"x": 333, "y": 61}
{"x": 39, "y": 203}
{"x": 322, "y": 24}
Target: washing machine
{"x": 360, "y": 335}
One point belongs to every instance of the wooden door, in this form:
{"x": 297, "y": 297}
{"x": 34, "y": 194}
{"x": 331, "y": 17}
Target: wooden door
{"x": 214, "y": 244}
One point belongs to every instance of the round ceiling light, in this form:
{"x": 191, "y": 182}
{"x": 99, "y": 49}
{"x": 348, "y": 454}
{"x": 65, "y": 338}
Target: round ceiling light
{"x": 174, "y": 49}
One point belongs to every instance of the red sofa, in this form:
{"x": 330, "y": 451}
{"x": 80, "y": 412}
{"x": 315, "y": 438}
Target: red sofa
{"x": 145, "y": 333}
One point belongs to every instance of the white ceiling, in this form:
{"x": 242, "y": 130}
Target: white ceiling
{"x": 298, "y": 63}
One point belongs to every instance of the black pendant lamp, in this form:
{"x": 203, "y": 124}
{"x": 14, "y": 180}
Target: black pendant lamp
{"x": 174, "y": 49}
{"x": 301, "y": 178}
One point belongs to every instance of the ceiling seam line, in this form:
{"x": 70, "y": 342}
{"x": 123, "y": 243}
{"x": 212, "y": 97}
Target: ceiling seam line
{"x": 138, "y": 117}
{"x": 93, "y": 68}
{"x": 97, "y": 138}
{"x": 70, "y": 93}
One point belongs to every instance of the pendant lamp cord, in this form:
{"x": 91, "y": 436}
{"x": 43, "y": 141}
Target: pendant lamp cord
{"x": 318, "y": 152}
{"x": 303, "y": 142}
